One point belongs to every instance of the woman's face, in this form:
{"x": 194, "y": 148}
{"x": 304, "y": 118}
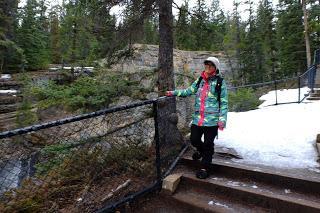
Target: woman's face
{"x": 209, "y": 68}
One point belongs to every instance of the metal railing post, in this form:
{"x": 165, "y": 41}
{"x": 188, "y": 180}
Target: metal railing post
{"x": 299, "y": 85}
{"x": 314, "y": 70}
{"x": 275, "y": 88}
{"x": 157, "y": 140}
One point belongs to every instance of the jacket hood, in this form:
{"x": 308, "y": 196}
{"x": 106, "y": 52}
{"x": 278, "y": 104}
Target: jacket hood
{"x": 215, "y": 61}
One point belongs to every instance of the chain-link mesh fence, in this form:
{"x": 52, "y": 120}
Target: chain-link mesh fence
{"x": 86, "y": 162}
{"x": 283, "y": 91}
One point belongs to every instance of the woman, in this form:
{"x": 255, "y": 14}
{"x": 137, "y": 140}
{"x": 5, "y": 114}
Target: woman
{"x": 211, "y": 108}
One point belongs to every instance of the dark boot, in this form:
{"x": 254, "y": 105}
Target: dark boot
{"x": 196, "y": 155}
{"x": 202, "y": 174}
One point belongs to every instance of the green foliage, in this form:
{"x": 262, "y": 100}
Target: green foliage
{"x": 243, "y": 100}
{"x": 55, "y": 40}
{"x": 132, "y": 159}
{"x": 85, "y": 93}
{"x": 11, "y": 55}
{"x": 26, "y": 114}
{"x": 75, "y": 172}
{"x": 53, "y": 156}
{"x": 87, "y": 32}
{"x": 32, "y": 36}
{"x": 266, "y": 35}
{"x": 290, "y": 39}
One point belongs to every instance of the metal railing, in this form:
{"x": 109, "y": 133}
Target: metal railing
{"x": 91, "y": 162}
{"x": 303, "y": 84}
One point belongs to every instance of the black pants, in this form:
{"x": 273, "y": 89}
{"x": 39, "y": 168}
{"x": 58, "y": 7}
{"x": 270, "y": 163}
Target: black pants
{"x": 206, "y": 148}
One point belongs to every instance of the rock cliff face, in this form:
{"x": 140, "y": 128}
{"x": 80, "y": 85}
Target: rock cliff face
{"x": 11, "y": 97}
{"x": 187, "y": 66}
{"x": 145, "y": 57}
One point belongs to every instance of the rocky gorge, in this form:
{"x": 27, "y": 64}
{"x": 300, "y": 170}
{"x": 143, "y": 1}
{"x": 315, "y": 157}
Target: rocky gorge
{"x": 136, "y": 124}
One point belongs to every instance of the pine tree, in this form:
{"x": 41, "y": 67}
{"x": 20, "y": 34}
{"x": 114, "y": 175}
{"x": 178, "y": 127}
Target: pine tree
{"x": 78, "y": 42}
{"x": 314, "y": 24}
{"x": 33, "y": 36}
{"x": 232, "y": 43}
{"x": 199, "y": 26}
{"x": 266, "y": 60}
{"x": 11, "y": 56}
{"x": 150, "y": 31}
{"x": 183, "y": 34}
{"x": 250, "y": 50}
{"x": 291, "y": 52}
{"x": 55, "y": 44}
{"x": 306, "y": 31}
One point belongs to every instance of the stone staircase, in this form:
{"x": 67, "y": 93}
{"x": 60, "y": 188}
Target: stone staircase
{"x": 235, "y": 187}
{"x": 315, "y": 95}
{"x": 9, "y": 102}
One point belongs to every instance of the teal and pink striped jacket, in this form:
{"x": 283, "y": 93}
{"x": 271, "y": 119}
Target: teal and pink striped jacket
{"x": 206, "y": 104}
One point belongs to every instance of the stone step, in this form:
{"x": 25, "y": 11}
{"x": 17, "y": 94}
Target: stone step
{"x": 316, "y": 91}
{"x": 236, "y": 189}
{"x": 8, "y": 108}
{"x": 8, "y": 121}
{"x": 9, "y": 85}
{"x": 313, "y": 98}
{"x": 4, "y": 100}
{"x": 314, "y": 95}
{"x": 200, "y": 199}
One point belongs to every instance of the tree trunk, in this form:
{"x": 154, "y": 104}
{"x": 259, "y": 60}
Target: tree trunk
{"x": 166, "y": 109}
{"x": 165, "y": 60}
{"x": 306, "y": 31}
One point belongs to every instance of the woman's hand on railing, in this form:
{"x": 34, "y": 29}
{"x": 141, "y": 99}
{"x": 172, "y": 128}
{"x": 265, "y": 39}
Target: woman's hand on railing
{"x": 169, "y": 93}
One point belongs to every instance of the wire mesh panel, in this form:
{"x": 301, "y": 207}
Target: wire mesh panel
{"x": 78, "y": 166}
{"x": 171, "y": 139}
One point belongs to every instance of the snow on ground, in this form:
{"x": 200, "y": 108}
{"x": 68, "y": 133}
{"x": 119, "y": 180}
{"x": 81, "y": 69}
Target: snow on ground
{"x": 8, "y": 91}
{"x": 281, "y": 136}
{"x": 283, "y": 96}
{"x": 5, "y": 76}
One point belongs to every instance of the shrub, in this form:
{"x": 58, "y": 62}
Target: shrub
{"x": 85, "y": 93}
{"x": 243, "y": 100}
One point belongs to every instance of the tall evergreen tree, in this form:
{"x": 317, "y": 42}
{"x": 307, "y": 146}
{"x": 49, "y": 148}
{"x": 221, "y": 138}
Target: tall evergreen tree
{"x": 33, "y": 36}
{"x": 55, "y": 44}
{"x": 235, "y": 31}
{"x": 11, "y": 56}
{"x": 217, "y": 25}
{"x": 183, "y": 34}
{"x": 250, "y": 50}
{"x": 306, "y": 31}
{"x": 266, "y": 60}
{"x": 314, "y": 24}
{"x": 291, "y": 52}
{"x": 199, "y": 26}
{"x": 150, "y": 31}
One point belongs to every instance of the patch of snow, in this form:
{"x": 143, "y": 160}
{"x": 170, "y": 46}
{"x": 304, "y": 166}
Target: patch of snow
{"x": 5, "y": 76}
{"x": 314, "y": 170}
{"x": 211, "y": 203}
{"x": 223, "y": 205}
{"x": 283, "y": 96}
{"x": 281, "y": 136}
{"x": 231, "y": 183}
{"x": 287, "y": 191}
{"x": 254, "y": 186}
{"x": 8, "y": 91}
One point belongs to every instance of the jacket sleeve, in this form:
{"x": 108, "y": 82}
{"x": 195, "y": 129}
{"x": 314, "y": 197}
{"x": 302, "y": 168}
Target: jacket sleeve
{"x": 224, "y": 103}
{"x": 187, "y": 92}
